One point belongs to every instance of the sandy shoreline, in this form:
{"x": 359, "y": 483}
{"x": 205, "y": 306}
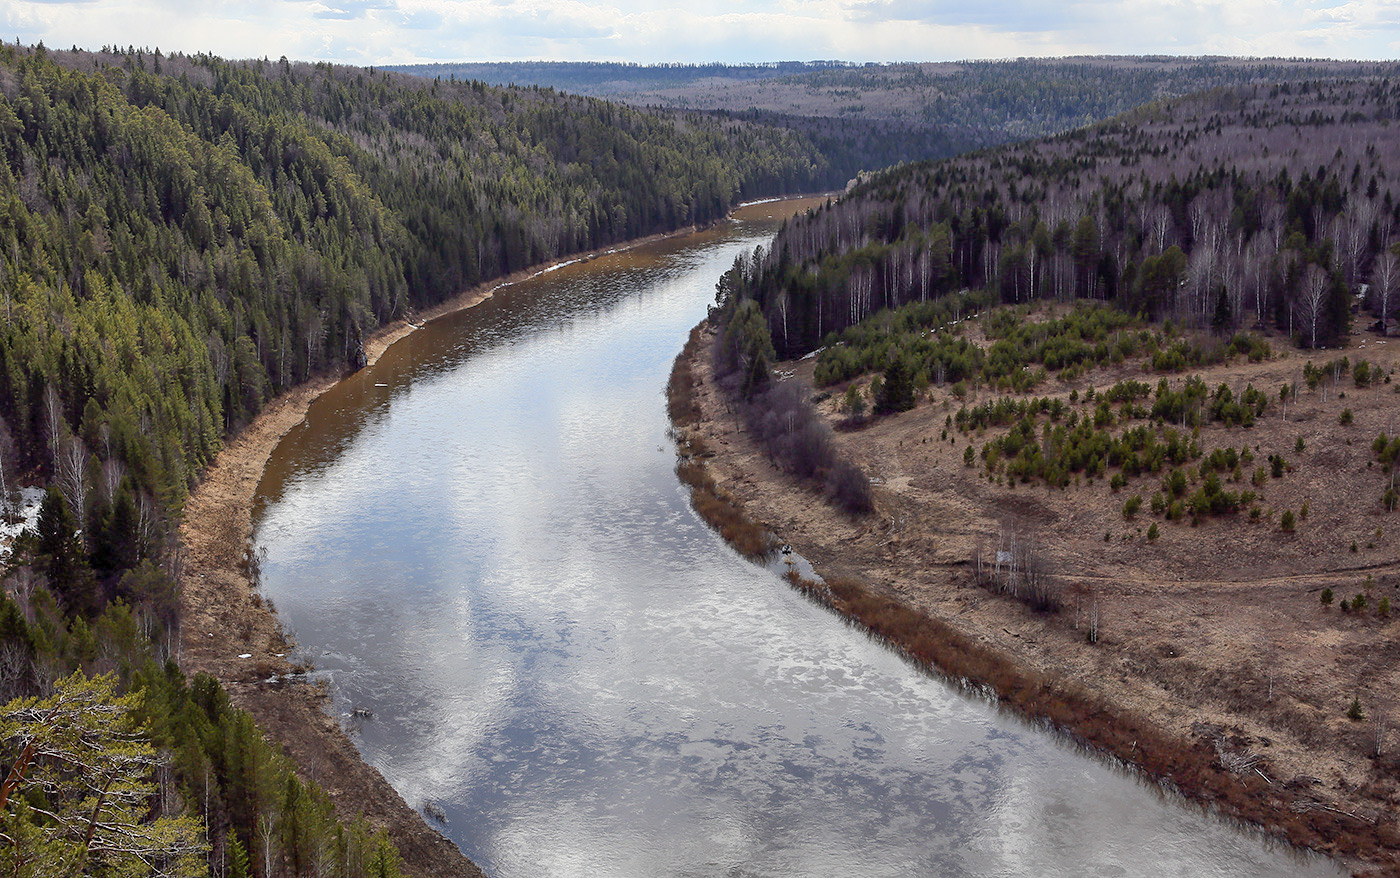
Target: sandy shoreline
{"x": 905, "y": 574}
{"x": 224, "y": 617}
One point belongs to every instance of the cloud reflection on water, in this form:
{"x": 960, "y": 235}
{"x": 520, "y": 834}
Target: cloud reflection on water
{"x": 504, "y": 568}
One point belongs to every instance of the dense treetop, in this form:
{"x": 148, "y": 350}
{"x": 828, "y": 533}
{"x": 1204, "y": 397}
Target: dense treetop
{"x": 181, "y": 237}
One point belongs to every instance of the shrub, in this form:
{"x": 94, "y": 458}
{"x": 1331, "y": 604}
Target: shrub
{"x": 1326, "y": 597}
{"x": 786, "y": 425}
{"x": 1174, "y": 483}
{"x": 1154, "y": 532}
{"x": 854, "y": 402}
{"x": 849, "y": 488}
{"x": 1286, "y": 522}
{"x": 1361, "y": 374}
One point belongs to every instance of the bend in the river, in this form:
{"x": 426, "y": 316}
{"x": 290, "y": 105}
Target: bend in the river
{"x": 482, "y": 542}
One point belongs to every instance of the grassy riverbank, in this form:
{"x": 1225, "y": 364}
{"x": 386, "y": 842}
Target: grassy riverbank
{"x": 904, "y": 574}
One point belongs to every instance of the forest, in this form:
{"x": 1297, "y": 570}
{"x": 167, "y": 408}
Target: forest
{"x": 1265, "y": 207}
{"x": 865, "y": 117}
{"x": 181, "y": 239}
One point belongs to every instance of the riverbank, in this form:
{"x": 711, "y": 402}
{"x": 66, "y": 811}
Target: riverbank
{"x": 228, "y": 631}
{"x": 1175, "y": 684}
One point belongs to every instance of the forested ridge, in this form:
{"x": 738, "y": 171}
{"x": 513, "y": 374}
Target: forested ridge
{"x": 865, "y": 117}
{"x": 608, "y": 77}
{"x": 1263, "y": 207}
{"x": 181, "y": 238}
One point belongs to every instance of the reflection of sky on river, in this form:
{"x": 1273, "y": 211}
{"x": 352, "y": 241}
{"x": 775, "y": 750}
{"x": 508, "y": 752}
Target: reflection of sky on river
{"x": 497, "y": 560}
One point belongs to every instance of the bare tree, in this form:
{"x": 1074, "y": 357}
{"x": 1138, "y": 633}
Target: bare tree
{"x": 16, "y": 670}
{"x": 782, "y": 303}
{"x": 218, "y": 358}
{"x": 1385, "y": 277}
{"x": 21, "y": 587}
{"x": 1017, "y": 570}
{"x": 1378, "y": 727}
{"x": 7, "y": 462}
{"x": 147, "y": 522}
{"x": 267, "y": 835}
{"x": 113, "y": 471}
{"x": 1312, "y": 301}
{"x": 71, "y": 474}
{"x": 54, "y": 424}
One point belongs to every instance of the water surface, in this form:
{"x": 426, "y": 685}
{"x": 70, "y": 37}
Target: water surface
{"x": 481, "y": 540}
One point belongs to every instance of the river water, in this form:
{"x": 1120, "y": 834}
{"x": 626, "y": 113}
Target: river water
{"x": 482, "y": 543}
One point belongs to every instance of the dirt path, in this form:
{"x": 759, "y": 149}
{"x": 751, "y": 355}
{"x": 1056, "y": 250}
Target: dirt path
{"x": 224, "y": 617}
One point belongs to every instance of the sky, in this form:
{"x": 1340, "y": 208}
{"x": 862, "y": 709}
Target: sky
{"x": 368, "y": 32}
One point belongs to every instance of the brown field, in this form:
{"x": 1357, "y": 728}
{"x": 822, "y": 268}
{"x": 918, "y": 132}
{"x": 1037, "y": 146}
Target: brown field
{"x": 1215, "y": 632}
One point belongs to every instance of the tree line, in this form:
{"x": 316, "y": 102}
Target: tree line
{"x": 864, "y": 117}
{"x": 1264, "y": 207}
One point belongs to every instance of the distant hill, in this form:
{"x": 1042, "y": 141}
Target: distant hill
{"x": 870, "y": 116}
{"x": 607, "y": 79}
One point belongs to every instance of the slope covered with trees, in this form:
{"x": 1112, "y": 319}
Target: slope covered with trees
{"x": 1266, "y": 207}
{"x": 181, "y": 238}
{"x": 870, "y": 116}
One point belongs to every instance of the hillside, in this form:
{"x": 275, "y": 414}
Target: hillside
{"x": 184, "y": 238}
{"x": 1266, "y": 206}
{"x": 869, "y": 116}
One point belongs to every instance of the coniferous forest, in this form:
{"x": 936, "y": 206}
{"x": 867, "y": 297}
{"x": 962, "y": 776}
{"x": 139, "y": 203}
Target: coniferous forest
{"x": 182, "y": 238}
{"x": 865, "y": 117}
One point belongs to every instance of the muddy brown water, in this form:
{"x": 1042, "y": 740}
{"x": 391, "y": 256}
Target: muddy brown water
{"x": 481, "y": 542}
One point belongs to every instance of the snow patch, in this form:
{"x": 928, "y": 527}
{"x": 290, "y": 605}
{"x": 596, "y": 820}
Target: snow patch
{"x": 27, "y": 517}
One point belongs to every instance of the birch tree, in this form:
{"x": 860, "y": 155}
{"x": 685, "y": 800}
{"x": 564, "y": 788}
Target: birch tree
{"x": 1385, "y": 277}
{"x": 1312, "y": 301}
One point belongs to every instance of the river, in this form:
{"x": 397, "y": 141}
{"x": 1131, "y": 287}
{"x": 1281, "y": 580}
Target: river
{"x": 481, "y": 542}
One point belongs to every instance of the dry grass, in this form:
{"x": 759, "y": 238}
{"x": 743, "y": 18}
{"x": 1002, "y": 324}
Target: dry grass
{"x": 1210, "y": 631}
{"x": 716, "y": 506}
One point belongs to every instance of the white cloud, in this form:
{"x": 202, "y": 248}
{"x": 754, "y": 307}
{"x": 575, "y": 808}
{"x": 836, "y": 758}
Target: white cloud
{"x": 386, "y": 31}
